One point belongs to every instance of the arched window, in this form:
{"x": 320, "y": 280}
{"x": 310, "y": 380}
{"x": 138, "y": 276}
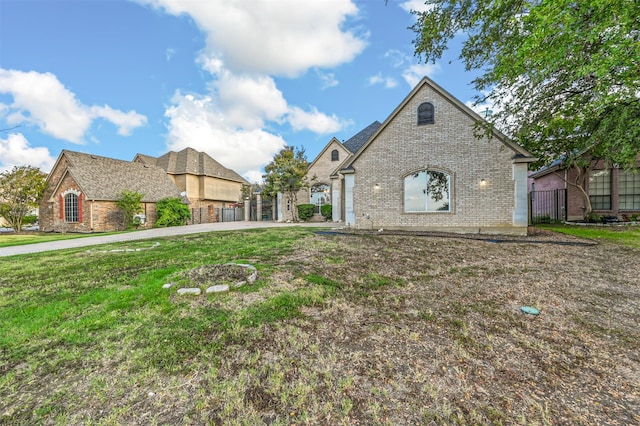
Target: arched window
{"x": 427, "y": 191}
{"x": 320, "y": 196}
{"x": 71, "y": 207}
{"x": 334, "y": 155}
{"x": 425, "y": 113}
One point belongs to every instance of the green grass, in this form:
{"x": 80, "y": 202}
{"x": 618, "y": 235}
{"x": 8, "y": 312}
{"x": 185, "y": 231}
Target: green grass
{"x": 625, "y": 235}
{"x": 330, "y": 333}
{"x": 7, "y": 240}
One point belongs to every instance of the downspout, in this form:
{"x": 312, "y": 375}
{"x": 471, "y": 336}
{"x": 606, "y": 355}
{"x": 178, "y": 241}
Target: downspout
{"x": 91, "y": 215}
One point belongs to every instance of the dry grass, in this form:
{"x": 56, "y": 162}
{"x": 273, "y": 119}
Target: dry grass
{"x": 397, "y": 330}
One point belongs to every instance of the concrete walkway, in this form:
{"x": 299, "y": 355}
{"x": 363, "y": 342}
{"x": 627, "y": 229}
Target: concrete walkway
{"x": 153, "y": 233}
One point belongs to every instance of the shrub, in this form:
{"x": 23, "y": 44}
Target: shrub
{"x": 326, "y": 211}
{"x": 593, "y": 218}
{"x": 29, "y": 219}
{"x": 172, "y": 212}
{"x": 305, "y": 211}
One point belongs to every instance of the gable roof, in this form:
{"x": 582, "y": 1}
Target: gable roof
{"x": 190, "y": 161}
{"x": 103, "y": 178}
{"x": 332, "y": 142}
{"x": 521, "y": 155}
{"x": 354, "y": 143}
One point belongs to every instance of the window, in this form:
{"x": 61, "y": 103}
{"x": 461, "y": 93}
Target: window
{"x": 628, "y": 190}
{"x": 71, "y": 207}
{"x": 425, "y": 113}
{"x": 320, "y": 196}
{"x": 335, "y": 156}
{"x": 427, "y": 191}
{"x": 600, "y": 189}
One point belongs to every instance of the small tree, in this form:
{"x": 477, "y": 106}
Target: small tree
{"x": 172, "y": 212}
{"x": 287, "y": 173}
{"x": 20, "y": 191}
{"x": 129, "y": 203}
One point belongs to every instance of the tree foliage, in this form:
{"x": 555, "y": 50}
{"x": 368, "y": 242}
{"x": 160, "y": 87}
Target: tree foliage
{"x": 130, "y": 204}
{"x": 172, "y": 212}
{"x": 287, "y": 173}
{"x": 563, "y": 75}
{"x": 20, "y": 190}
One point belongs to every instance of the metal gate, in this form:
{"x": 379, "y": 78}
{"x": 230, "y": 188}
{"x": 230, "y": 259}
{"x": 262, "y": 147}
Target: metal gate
{"x": 548, "y": 206}
{"x": 231, "y": 214}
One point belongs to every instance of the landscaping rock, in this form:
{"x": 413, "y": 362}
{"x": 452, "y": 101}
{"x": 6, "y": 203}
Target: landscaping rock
{"x": 218, "y": 288}
{"x": 195, "y": 291}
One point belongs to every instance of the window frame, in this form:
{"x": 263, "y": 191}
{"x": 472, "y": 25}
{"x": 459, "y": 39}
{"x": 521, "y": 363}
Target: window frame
{"x": 628, "y": 181}
{"x": 426, "y": 114}
{"x": 71, "y": 207}
{"x": 335, "y": 155}
{"x": 427, "y": 199}
{"x": 600, "y": 189}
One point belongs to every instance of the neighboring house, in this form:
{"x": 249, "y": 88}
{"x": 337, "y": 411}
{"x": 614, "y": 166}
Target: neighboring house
{"x": 613, "y": 192}
{"x": 205, "y": 182}
{"x": 425, "y": 169}
{"x": 82, "y": 191}
{"x": 325, "y": 181}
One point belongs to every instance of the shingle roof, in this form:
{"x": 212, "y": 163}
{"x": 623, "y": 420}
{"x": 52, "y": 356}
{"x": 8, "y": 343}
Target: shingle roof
{"x": 103, "y": 178}
{"x": 359, "y": 139}
{"x": 190, "y": 161}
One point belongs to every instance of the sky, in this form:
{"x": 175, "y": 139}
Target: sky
{"x": 239, "y": 79}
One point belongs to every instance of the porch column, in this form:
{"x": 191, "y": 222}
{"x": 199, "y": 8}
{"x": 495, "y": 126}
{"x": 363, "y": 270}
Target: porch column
{"x": 258, "y": 206}
{"x": 335, "y": 199}
{"x": 349, "y": 181}
{"x": 521, "y": 206}
{"x": 247, "y": 209}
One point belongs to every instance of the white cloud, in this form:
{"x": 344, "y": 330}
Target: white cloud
{"x": 247, "y": 45}
{"x": 248, "y": 101}
{"x": 387, "y": 82}
{"x": 416, "y": 72}
{"x": 397, "y": 57}
{"x": 417, "y": 5}
{"x": 284, "y": 37}
{"x": 328, "y": 79}
{"x": 16, "y": 151}
{"x": 125, "y": 121}
{"x": 315, "y": 121}
{"x": 40, "y": 99}
{"x": 196, "y": 121}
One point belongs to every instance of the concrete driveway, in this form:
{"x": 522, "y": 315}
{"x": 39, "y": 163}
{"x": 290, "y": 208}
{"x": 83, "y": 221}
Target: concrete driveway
{"x": 153, "y": 233}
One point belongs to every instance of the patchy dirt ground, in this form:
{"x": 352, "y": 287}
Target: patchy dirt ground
{"x": 427, "y": 329}
{"x": 403, "y": 329}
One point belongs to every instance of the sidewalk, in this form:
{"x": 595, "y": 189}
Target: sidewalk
{"x": 154, "y": 233}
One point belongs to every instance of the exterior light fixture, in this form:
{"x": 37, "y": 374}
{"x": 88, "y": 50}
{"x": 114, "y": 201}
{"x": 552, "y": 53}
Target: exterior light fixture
{"x": 376, "y": 186}
{"x": 483, "y": 182}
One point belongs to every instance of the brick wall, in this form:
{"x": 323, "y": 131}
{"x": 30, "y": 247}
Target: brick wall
{"x": 449, "y": 145}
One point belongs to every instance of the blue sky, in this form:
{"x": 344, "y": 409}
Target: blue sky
{"x": 239, "y": 80}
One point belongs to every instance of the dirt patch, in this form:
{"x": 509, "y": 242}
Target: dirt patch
{"x": 207, "y": 275}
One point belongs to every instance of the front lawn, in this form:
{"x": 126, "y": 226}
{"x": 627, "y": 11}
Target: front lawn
{"x": 371, "y": 329}
{"x": 11, "y": 239}
{"x": 628, "y": 235}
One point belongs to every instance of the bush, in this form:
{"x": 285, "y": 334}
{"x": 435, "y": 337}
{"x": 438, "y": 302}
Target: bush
{"x": 172, "y": 212}
{"x": 29, "y": 219}
{"x": 326, "y": 211}
{"x": 305, "y": 211}
{"x": 593, "y": 218}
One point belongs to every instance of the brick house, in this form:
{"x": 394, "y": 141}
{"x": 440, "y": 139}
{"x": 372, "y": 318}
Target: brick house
{"x": 323, "y": 176}
{"x": 82, "y": 191}
{"x": 207, "y": 184}
{"x": 423, "y": 168}
{"x": 613, "y": 192}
